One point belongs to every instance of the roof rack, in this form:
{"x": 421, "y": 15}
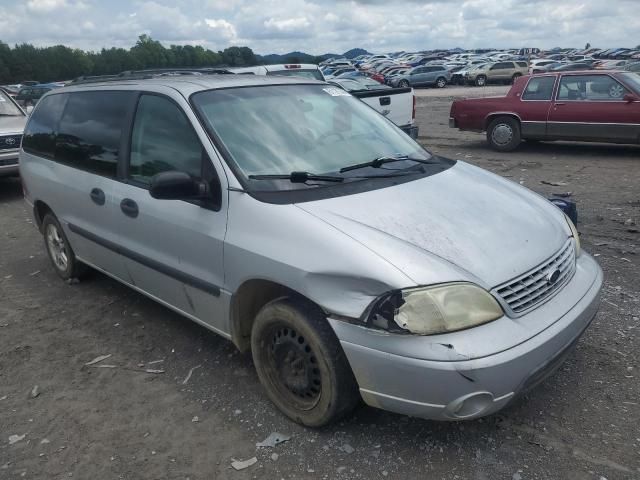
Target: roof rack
{"x": 150, "y": 73}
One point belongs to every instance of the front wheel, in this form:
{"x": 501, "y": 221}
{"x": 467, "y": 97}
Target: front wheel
{"x": 301, "y": 364}
{"x": 60, "y": 253}
{"x": 441, "y": 82}
{"x": 503, "y": 134}
{"x": 403, "y": 83}
{"x": 515, "y": 77}
{"x": 481, "y": 81}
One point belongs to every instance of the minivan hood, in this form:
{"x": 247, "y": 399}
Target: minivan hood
{"x": 485, "y": 228}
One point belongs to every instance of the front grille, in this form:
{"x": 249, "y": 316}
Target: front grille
{"x": 10, "y": 142}
{"x": 534, "y": 287}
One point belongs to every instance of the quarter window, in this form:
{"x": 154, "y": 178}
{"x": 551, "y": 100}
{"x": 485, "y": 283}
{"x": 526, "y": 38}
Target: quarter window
{"x": 40, "y": 134}
{"x": 163, "y": 140}
{"x": 539, "y": 88}
{"x": 90, "y": 131}
{"x": 593, "y": 88}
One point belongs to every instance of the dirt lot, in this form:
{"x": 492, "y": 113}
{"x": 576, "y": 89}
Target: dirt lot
{"x": 124, "y": 422}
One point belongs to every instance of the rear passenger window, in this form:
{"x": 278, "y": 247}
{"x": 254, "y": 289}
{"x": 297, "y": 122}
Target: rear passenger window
{"x": 90, "y": 130}
{"x": 539, "y": 88}
{"x": 163, "y": 140}
{"x": 40, "y": 134}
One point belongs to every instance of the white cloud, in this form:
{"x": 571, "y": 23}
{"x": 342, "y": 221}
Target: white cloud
{"x": 287, "y": 24}
{"x": 45, "y": 5}
{"x": 320, "y": 26}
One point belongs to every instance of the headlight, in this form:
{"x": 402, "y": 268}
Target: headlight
{"x": 432, "y": 310}
{"x": 574, "y": 234}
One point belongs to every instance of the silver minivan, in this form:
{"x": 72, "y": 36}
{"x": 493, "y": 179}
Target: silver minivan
{"x": 289, "y": 217}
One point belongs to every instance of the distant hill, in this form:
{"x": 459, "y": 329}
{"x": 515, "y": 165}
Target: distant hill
{"x": 301, "y": 57}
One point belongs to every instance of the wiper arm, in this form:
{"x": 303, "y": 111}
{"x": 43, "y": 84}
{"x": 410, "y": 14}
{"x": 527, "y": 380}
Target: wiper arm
{"x": 378, "y": 162}
{"x": 299, "y": 177}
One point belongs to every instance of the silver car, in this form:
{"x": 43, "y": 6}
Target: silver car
{"x": 289, "y": 217}
{"x": 12, "y": 121}
{"x": 427, "y": 75}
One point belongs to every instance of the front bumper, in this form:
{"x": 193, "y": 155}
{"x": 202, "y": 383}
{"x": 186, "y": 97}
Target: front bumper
{"x": 411, "y": 130}
{"x": 9, "y": 162}
{"x": 457, "y": 388}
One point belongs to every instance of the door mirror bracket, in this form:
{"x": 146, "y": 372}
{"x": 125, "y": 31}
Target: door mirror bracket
{"x": 630, "y": 98}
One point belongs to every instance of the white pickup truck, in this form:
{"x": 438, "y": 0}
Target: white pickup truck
{"x": 397, "y": 104}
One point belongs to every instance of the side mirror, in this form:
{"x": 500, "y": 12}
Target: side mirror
{"x": 177, "y": 186}
{"x": 630, "y": 97}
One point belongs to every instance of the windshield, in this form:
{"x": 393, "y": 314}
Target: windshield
{"x": 313, "y": 74}
{"x": 311, "y": 128}
{"x": 7, "y": 107}
{"x": 632, "y": 80}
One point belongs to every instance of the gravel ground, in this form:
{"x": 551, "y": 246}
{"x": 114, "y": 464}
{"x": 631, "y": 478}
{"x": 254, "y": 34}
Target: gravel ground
{"x": 207, "y": 408}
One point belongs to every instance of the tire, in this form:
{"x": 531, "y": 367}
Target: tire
{"x": 403, "y": 83}
{"x": 59, "y": 250}
{"x": 481, "y": 81}
{"x": 441, "y": 82}
{"x": 301, "y": 364}
{"x": 515, "y": 77}
{"x": 503, "y": 134}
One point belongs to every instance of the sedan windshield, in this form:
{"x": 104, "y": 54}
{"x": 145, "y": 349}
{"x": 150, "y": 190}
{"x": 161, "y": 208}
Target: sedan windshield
{"x": 7, "y": 107}
{"x": 320, "y": 129}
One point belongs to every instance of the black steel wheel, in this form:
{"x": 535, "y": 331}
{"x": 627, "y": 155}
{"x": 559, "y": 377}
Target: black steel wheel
{"x": 301, "y": 364}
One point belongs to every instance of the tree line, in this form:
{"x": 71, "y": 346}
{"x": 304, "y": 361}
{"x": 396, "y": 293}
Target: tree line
{"x": 47, "y": 64}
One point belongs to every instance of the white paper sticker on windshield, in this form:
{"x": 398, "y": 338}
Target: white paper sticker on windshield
{"x": 2, "y": 99}
{"x": 336, "y": 92}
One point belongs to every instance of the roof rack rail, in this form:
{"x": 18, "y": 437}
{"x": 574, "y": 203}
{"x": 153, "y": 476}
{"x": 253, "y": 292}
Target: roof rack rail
{"x": 150, "y": 73}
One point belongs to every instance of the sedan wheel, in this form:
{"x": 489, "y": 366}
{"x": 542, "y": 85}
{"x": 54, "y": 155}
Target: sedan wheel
{"x": 481, "y": 81}
{"x": 616, "y": 91}
{"x": 503, "y": 134}
{"x": 403, "y": 83}
{"x": 441, "y": 82}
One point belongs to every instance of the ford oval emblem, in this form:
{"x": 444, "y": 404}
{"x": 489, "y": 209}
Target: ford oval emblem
{"x": 553, "y": 276}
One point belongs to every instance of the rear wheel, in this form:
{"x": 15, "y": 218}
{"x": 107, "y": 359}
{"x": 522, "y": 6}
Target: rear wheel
{"x": 441, "y": 82}
{"x": 301, "y": 364}
{"x": 481, "y": 80}
{"x": 503, "y": 134}
{"x": 59, "y": 250}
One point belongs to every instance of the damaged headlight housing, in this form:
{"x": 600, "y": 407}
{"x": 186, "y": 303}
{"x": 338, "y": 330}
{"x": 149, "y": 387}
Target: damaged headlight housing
{"x": 574, "y": 234}
{"x": 433, "y": 310}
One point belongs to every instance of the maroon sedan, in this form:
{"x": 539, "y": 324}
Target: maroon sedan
{"x": 586, "y": 106}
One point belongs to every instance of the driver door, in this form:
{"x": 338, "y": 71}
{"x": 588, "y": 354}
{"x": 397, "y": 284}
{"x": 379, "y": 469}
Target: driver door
{"x": 591, "y": 107}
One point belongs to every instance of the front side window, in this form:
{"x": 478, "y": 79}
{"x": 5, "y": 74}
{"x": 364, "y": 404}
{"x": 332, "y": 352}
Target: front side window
{"x": 40, "y": 133}
{"x": 539, "y": 88}
{"x": 90, "y": 130}
{"x": 162, "y": 140}
{"x": 594, "y": 88}
{"x": 279, "y": 129}
{"x": 7, "y": 107}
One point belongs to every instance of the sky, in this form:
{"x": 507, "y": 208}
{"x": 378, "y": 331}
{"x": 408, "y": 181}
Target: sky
{"x": 322, "y": 26}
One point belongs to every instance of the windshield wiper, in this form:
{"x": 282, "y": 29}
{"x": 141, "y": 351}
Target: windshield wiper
{"x": 299, "y": 177}
{"x": 378, "y": 162}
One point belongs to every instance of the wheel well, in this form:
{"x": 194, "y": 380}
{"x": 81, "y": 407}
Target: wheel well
{"x": 492, "y": 117}
{"x": 40, "y": 209}
{"x": 247, "y": 302}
